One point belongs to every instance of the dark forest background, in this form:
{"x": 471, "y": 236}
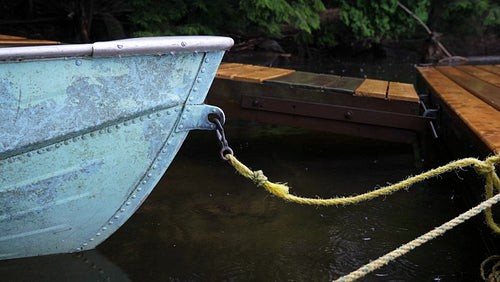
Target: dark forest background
{"x": 466, "y": 27}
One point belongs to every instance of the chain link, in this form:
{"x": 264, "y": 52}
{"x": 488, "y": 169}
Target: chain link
{"x": 225, "y": 149}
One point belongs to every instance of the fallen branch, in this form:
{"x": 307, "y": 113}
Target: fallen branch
{"x": 429, "y": 31}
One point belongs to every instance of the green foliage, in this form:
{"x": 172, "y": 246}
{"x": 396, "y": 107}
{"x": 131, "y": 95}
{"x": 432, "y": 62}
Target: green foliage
{"x": 363, "y": 20}
{"x": 157, "y": 17}
{"x": 326, "y": 36}
{"x": 269, "y": 15}
{"x": 176, "y": 17}
{"x": 475, "y": 15}
{"x": 381, "y": 19}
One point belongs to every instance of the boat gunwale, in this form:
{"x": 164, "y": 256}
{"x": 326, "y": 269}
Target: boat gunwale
{"x": 120, "y": 48}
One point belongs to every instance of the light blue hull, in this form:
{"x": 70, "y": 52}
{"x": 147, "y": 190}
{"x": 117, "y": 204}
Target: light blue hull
{"x": 84, "y": 140}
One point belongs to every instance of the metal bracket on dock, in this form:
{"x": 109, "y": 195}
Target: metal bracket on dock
{"x": 338, "y": 113}
{"x": 433, "y": 115}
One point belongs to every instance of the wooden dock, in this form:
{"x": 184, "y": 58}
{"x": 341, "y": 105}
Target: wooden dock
{"x": 470, "y": 99}
{"x": 12, "y": 41}
{"x": 352, "y": 106}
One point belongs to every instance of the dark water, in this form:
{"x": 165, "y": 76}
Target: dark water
{"x": 203, "y": 222}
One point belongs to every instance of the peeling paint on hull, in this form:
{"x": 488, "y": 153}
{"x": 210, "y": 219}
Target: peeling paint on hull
{"x": 83, "y": 141}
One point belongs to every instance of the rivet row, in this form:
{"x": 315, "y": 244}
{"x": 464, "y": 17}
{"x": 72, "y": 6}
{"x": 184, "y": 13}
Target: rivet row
{"x": 135, "y": 195}
{"x": 75, "y": 139}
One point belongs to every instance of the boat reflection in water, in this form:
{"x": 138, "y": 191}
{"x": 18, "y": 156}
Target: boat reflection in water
{"x": 83, "y": 266}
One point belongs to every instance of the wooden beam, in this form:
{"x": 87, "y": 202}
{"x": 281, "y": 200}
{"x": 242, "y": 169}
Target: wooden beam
{"x": 490, "y": 77}
{"x": 402, "y": 92}
{"x": 490, "y": 68}
{"x": 373, "y": 88}
{"x": 322, "y": 82}
{"x": 11, "y": 41}
{"x": 251, "y": 73}
{"x": 485, "y": 91}
{"x": 10, "y": 37}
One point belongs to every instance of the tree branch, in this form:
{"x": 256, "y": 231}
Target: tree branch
{"x": 429, "y": 31}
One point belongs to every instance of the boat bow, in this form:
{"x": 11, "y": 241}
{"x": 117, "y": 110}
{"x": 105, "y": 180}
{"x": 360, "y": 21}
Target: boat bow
{"x": 89, "y": 130}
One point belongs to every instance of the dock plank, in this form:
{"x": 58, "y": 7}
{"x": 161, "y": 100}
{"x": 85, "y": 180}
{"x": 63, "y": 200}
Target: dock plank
{"x": 4, "y": 36}
{"x": 324, "y": 82}
{"x": 373, "y": 88}
{"x": 263, "y": 74}
{"x": 345, "y": 84}
{"x": 305, "y": 79}
{"x": 230, "y": 73}
{"x": 250, "y": 73}
{"x": 494, "y": 69}
{"x": 485, "y": 91}
{"x": 482, "y": 118}
{"x": 482, "y": 74}
{"x": 402, "y": 92}
{"x": 226, "y": 66}
{"x": 10, "y": 40}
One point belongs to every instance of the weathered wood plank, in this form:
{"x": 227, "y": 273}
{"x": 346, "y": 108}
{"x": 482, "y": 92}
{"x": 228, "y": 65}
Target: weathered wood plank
{"x": 482, "y": 118}
{"x": 251, "y": 73}
{"x": 4, "y": 36}
{"x": 487, "y": 76}
{"x": 224, "y": 70}
{"x": 494, "y": 69}
{"x": 324, "y": 82}
{"x": 230, "y": 73}
{"x": 402, "y": 92}
{"x": 226, "y": 66}
{"x": 373, "y": 88}
{"x": 345, "y": 84}
{"x": 9, "y": 40}
{"x": 483, "y": 90}
{"x": 260, "y": 75}
{"x": 27, "y": 42}
{"x": 305, "y": 79}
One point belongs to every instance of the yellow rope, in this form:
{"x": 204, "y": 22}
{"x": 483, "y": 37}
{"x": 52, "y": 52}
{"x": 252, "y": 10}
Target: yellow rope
{"x": 485, "y": 168}
{"x": 494, "y": 275}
